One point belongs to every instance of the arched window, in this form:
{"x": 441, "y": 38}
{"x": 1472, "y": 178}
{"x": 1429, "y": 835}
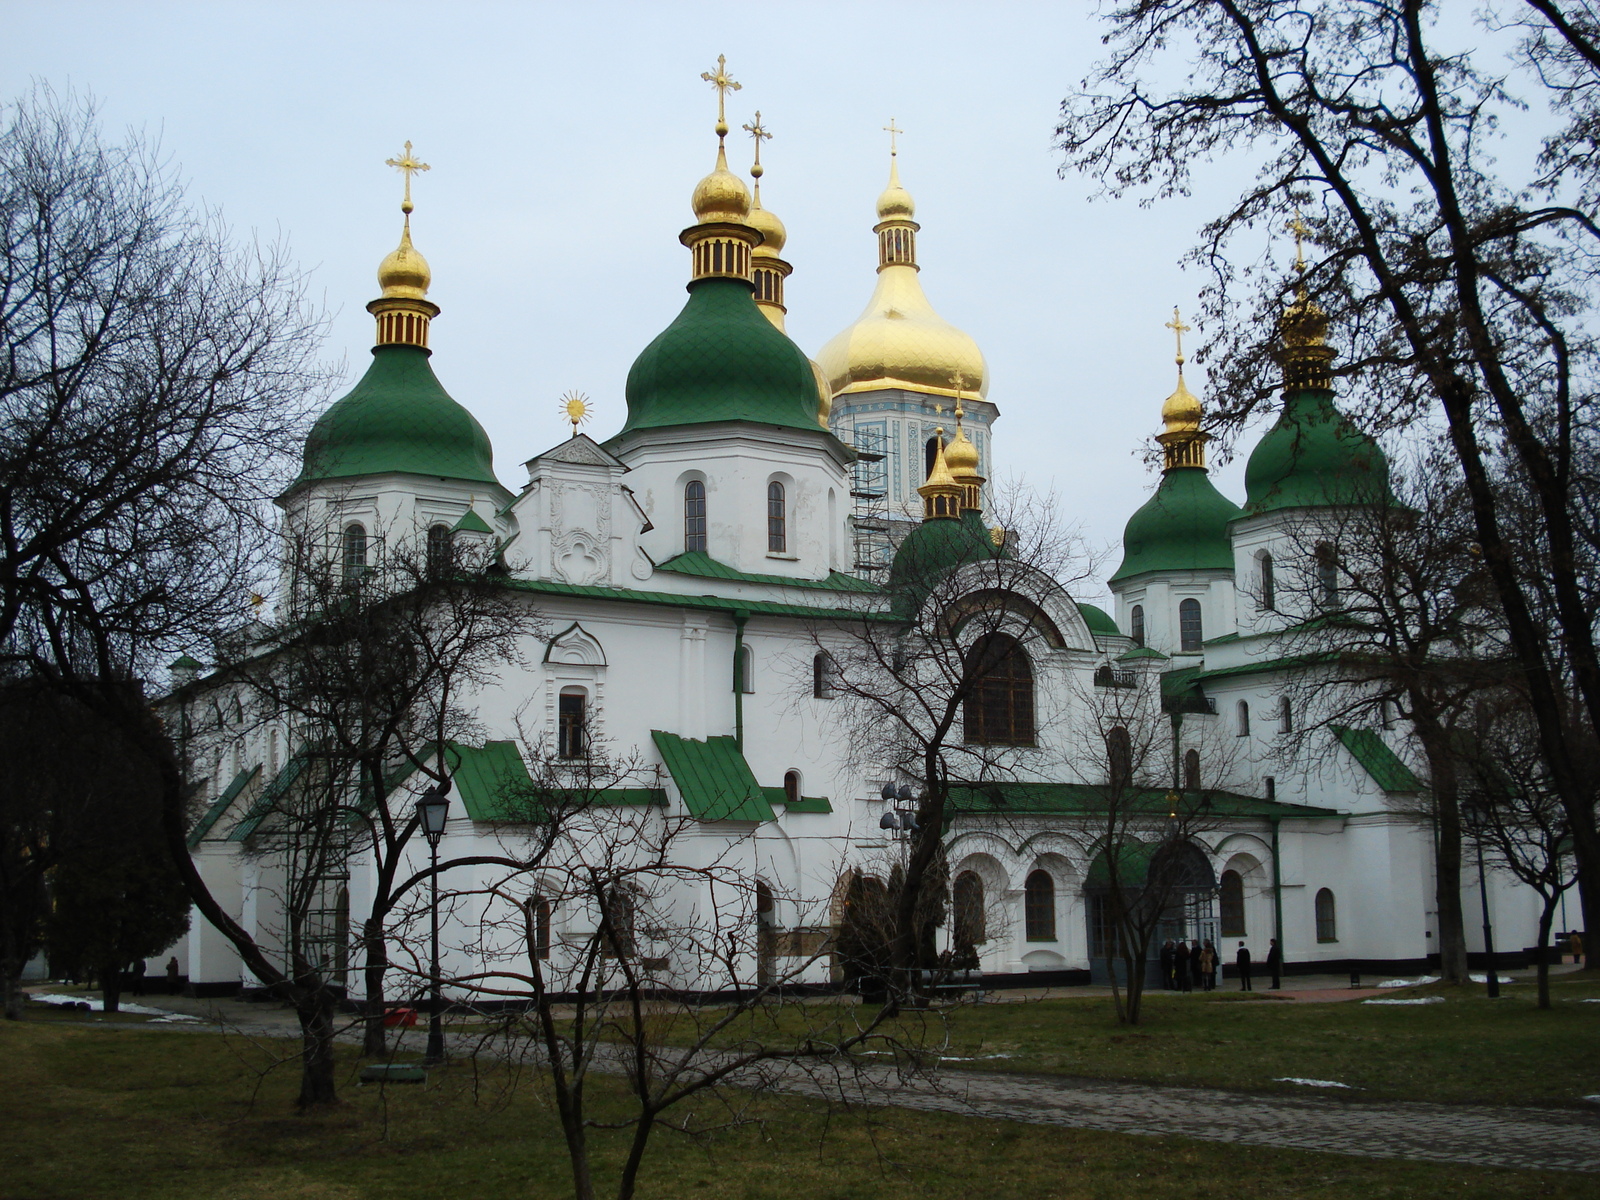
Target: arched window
{"x": 822, "y": 675}
{"x": 694, "y": 516}
{"x": 1039, "y": 907}
{"x": 999, "y": 707}
{"x": 967, "y": 904}
{"x": 1136, "y": 624}
{"x": 572, "y": 723}
{"x": 744, "y": 670}
{"x": 1119, "y": 758}
{"x": 791, "y": 787}
{"x": 1242, "y": 728}
{"x": 1231, "y": 904}
{"x": 439, "y": 555}
{"x": 777, "y": 520}
{"x": 354, "y": 554}
{"x": 1327, "y": 924}
{"x": 620, "y": 910}
{"x": 539, "y": 920}
{"x": 1189, "y": 629}
{"x": 1285, "y": 715}
{"x": 1191, "y": 770}
{"x": 1327, "y": 575}
{"x": 272, "y": 752}
{"x": 1268, "y": 592}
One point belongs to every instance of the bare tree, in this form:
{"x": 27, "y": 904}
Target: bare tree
{"x": 1463, "y": 291}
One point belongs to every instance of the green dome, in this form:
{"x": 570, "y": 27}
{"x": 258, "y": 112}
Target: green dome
{"x": 939, "y": 546}
{"x": 721, "y": 360}
{"x": 398, "y": 418}
{"x": 1183, "y": 527}
{"x": 1314, "y": 457}
{"x": 1098, "y": 620}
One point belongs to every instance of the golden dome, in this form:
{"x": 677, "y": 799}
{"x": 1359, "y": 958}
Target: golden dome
{"x": 895, "y": 203}
{"x": 824, "y": 395}
{"x": 404, "y": 273}
{"x": 961, "y": 455}
{"x": 765, "y": 221}
{"x": 721, "y": 195}
{"x": 1180, "y": 412}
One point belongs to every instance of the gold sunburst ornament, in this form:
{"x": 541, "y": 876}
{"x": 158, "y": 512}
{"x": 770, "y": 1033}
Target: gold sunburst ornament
{"x": 575, "y": 407}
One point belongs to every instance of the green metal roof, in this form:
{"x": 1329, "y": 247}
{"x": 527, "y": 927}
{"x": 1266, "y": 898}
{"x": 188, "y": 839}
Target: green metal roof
{"x": 471, "y": 522}
{"x": 1267, "y": 666}
{"x": 184, "y": 663}
{"x": 398, "y": 418}
{"x": 1098, "y": 619}
{"x": 676, "y": 600}
{"x": 1183, "y": 527}
{"x": 1314, "y": 457}
{"x": 220, "y": 805}
{"x": 1139, "y": 652}
{"x": 269, "y": 797}
{"x": 1377, "y": 760}
{"x": 715, "y": 781}
{"x": 805, "y": 804}
{"x": 701, "y": 565}
{"x": 722, "y": 360}
{"x": 1080, "y": 799}
{"x": 481, "y": 776}
{"x": 938, "y": 546}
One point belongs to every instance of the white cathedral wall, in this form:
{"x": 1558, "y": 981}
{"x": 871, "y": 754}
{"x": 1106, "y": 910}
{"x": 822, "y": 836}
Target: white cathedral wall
{"x": 1160, "y": 594}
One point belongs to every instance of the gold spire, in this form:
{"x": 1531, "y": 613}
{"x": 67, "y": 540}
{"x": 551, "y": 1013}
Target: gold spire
{"x": 1181, "y": 438}
{"x": 402, "y": 309}
{"x": 1306, "y": 356}
{"x": 767, "y": 267}
{"x": 962, "y": 458}
{"x": 941, "y": 494}
{"x": 899, "y": 341}
{"x": 720, "y": 239}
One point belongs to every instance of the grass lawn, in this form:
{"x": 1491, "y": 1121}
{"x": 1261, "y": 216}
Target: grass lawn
{"x": 1467, "y": 1048}
{"x": 90, "y": 1113}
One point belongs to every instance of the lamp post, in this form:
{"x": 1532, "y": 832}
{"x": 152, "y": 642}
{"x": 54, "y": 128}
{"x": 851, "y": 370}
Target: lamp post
{"x": 433, "y": 809}
{"x": 1474, "y": 812}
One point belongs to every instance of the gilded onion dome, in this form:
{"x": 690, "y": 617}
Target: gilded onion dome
{"x": 899, "y": 341}
{"x": 961, "y": 456}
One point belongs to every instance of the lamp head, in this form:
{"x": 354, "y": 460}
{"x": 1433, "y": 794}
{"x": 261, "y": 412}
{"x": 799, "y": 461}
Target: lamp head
{"x": 433, "y": 810}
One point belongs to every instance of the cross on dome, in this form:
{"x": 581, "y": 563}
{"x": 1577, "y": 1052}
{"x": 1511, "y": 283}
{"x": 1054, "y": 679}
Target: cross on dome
{"x": 724, "y": 83}
{"x": 407, "y": 165}
{"x": 893, "y": 134}
{"x": 1178, "y": 329}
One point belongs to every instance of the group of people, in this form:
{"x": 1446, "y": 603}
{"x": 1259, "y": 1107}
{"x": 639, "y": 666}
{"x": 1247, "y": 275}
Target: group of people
{"x": 1190, "y": 966}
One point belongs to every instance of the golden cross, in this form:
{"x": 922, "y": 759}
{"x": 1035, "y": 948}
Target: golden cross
{"x": 1178, "y": 330}
{"x": 724, "y": 83}
{"x": 760, "y": 133}
{"x": 406, "y": 164}
{"x": 1301, "y": 231}
{"x": 893, "y": 134}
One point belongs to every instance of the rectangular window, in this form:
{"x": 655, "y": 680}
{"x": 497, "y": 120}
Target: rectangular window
{"x": 571, "y": 719}
{"x": 777, "y": 521}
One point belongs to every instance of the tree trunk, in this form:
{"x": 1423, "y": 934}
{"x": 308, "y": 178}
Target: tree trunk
{"x": 630, "y": 1169}
{"x": 111, "y": 988}
{"x": 1546, "y": 919}
{"x": 1447, "y": 888}
{"x": 316, "y": 1052}
{"x": 11, "y": 974}
{"x": 375, "y": 1042}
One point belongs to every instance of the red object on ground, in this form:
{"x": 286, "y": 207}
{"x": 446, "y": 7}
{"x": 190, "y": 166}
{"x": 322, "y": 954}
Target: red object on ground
{"x": 403, "y": 1018}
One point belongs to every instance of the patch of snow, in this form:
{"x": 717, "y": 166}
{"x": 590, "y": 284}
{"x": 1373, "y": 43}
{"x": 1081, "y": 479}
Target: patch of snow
{"x": 1409, "y": 1000}
{"x": 1593, "y": 1099}
{"x": 1394, "y": 983}
{"x": 1590, "y": 1000}
{"x": 1316, "y": 1083}
{"x": 972, "y": 1058}
{"x": 1485, "y": 979}
{"x": 99, "y": 1004}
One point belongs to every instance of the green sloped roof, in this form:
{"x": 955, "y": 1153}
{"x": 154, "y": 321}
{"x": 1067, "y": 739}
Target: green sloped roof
{"x": 1267, "y": 665}
{"x": 726, "y": 604}
{"x": 721, "y": 360}
{"x": 1133, "y": 865}
{"x": 398, "y": 418}
{"x": 1183, "y": 527}
{"x": 269, "y": 797}
{"x": 715, "y": 781}
{"x": 701, "y": 565}
{"x": 806, "y": 804}
{"x": 471, "y": 522}
{"x": 938, "y": 546}
{"x": 1078, "y": 799}
{"x": 1314, "y": 457}
{"x": 481, "y": 775}
{"x": 1098, "y": 620}
{"x": 1139, "y": 652}
{"x": 1377, "y": 760}
{"x": 220, "y": 805}
{"x": 184, "y": 663}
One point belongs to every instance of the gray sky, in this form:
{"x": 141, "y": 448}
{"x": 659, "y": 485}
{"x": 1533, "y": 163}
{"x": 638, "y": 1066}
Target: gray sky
{"x": 565, "y": 140}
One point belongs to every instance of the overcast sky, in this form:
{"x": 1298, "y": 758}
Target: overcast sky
{"x": 565, "y": 140}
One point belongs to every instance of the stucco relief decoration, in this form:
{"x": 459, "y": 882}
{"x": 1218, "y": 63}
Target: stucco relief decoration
{"x": 580, "y": 532}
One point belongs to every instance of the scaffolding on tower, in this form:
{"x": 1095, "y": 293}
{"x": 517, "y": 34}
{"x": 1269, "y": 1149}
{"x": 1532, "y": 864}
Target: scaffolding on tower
{"x": 869, "y": 489}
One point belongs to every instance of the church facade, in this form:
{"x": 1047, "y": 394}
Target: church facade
{"x": 688, "y": 570}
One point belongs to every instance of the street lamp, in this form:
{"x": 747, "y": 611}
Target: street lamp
{"x": 1475, "y": 810}
{"x": 433, "y": 809}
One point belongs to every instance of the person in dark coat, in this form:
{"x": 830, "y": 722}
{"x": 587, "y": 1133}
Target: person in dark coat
{"x": 172, "y": 976}
{"x": 1243, "y": 959}
{"x": 1166, "y": 964}
{"x": 1195, "y": 977}
{"x": 137, "y": 973}
{"x": 1275, "y": 964}
{"x": 1180, "y": 966}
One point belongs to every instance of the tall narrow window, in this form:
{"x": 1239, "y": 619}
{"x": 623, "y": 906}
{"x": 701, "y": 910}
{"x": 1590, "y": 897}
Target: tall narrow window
{"x": 791, "y": 787}
{"x": 744, "y": 671}
{"x": 1231, "y": 903}
{"x": 1119, "y": 758}
{"x": 1285, "y": 715}
{"x": 539, "y": 919}
{"x": 1327, "y": 923}
{"x": 1327, "y": 576}
{"x": 1039, "y": 907}
{"x": 438, "y": 549}
{"x": 694, "y": 516}
{"x": 999, "y": 707}
{"x": 572, "y": 719}
{"x": 1136, "y": 624}
{"x": 355, "y": 549}
{"x": 1243, "y": 718}
{"x": 1191, "y": 770}
{"x": 1269, "y": 593}
{"x": 822, "y": 669}
{"x": 929, "y": 452}
{"x": 777, "y": 520}
{"x": 967, "y": 903}
{"x": 1189, "y": 629}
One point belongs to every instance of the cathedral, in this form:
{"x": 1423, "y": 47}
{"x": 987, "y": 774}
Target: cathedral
{"x": 687, "y": 569}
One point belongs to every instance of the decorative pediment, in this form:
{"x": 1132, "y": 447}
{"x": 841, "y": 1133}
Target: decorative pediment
{"x": 580, "y": 449}
{"x": 575, "y": 646}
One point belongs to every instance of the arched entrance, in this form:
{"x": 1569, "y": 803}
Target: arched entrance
{"x": 1166, "y": 889}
